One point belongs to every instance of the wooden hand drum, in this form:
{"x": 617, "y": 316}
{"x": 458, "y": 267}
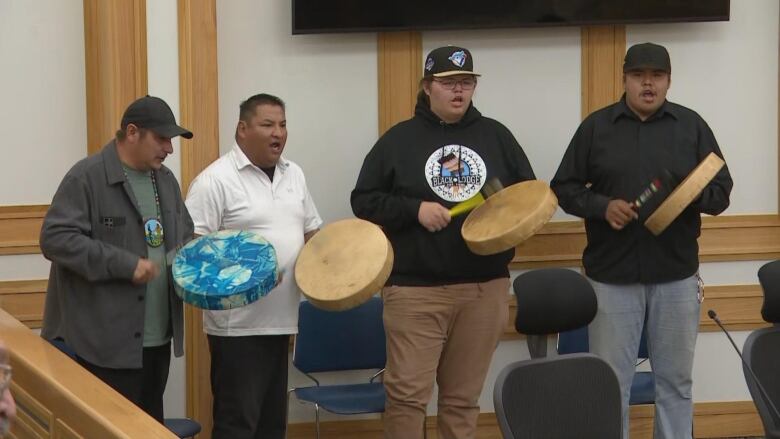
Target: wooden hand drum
{"x": 509, "y": 217}
{"x": 344, "y": 264}
{"x": 225, "y": 269}
{"x": 684, "y": 194}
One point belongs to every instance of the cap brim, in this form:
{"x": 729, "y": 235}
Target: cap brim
{"x": 171, "y": 131}
{"x": 646, "y": 67}
{"x": 453, "y": 73}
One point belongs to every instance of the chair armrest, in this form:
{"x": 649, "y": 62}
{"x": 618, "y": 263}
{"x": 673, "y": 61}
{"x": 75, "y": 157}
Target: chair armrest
{"x": 376, "y": 375}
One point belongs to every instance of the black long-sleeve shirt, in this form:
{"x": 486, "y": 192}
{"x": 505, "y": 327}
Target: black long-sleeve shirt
{"x": 407, "y": 167}
{"x": 615, "y": 155}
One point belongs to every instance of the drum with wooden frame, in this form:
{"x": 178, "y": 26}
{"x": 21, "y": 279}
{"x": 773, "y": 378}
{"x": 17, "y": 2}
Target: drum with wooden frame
{"x": 225, "y": 269}
{"x": 684, "y": 194}
{"x": 509, "y": 217}
{"x": 344, "y": 264}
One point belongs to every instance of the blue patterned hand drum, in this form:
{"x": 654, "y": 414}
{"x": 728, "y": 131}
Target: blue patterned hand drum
{"x": 225, "y": 269}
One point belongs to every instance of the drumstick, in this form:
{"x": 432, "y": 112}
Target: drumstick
{"x": 491, "y": 187}
{"x": 651, "y": 190}
{"x": 468, "y": 205}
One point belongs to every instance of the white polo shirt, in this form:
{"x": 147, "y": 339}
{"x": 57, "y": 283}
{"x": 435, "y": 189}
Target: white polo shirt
{"x": 232, "y": 193}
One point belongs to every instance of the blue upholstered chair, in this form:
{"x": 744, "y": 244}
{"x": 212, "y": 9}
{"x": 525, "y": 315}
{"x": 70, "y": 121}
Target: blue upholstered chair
{"x": 340, "y": 341}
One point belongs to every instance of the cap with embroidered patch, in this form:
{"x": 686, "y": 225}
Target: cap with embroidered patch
{"x": 647, "y": 56}
{"x": 449, "y": 61}
{"x": 154, "y": 114}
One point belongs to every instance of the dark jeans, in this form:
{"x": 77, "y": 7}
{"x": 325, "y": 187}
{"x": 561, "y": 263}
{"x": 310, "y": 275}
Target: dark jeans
{"x": 249, "y": 384}
{"x": 145, "y": 386}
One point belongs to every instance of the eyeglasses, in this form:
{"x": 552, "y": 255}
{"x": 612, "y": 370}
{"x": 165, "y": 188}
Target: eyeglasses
{"x": 465, "y": 83}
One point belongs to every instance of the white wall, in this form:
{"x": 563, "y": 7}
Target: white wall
{"x": 327, "y": 81}
{"x": 43, "y": 108}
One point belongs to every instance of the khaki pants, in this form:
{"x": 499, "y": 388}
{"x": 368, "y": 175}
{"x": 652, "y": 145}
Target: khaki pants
{"x": 448, "y": 332}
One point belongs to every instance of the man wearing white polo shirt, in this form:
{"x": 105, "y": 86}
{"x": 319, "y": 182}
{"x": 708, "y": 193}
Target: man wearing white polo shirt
{"x": 254, "y": 188}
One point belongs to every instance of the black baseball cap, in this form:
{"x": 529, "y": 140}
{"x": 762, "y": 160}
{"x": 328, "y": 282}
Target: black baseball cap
{"x": 647, "y": 56}
{"x": 449, "y": 61}
{"x": 154, "y": 114}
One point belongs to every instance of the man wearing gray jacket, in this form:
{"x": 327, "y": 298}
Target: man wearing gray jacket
{"x": 113, "y": 218}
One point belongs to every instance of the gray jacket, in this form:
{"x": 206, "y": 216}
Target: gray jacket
{"x": 93, "y": 235}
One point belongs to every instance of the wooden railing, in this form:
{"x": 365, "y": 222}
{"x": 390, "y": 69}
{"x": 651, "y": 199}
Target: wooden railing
{"x": 57, "y": 398}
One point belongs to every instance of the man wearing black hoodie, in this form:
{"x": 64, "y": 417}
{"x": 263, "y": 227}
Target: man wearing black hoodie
{"x": 444, "y": 306}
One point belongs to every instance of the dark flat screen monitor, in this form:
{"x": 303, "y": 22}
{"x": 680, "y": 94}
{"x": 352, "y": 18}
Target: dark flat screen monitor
{"x": 330, "y": 16}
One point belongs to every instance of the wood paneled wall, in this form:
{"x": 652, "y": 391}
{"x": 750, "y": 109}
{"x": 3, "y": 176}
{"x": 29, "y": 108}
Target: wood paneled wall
{"x": 399, "y": 67}
{"x": 603, "y": 48}
{"x": 711, "y": 420}
{"x": 116, "y": 69}
{"x": 199, "y": 112}
{"x": 20, "y": 227}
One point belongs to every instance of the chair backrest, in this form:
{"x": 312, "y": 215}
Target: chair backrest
{"x": 769, "y": 277}
{"x": 343, "y": 340}
{"x": 762, "y": 353}
{"x": 574, "y": 395}
{"x": 551, "y": 300}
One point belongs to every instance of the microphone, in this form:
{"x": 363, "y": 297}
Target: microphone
{"x": 711, "y": 314}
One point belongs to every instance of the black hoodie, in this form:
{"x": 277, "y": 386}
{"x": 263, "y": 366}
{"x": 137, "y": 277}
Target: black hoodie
{"x": 406, "y": 167}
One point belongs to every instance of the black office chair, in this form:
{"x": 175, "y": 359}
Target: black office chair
{"x": 181, "y": 427}
{"x": 762, "y": 353}
{"x": 563, "y": 396}
{"x": 643, "y": 384}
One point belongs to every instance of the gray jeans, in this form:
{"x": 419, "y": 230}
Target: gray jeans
{"x": 672, "y": 325}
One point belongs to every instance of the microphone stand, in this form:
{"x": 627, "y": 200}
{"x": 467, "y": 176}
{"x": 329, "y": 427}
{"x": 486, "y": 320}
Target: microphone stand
{"x": 711, "y": 314}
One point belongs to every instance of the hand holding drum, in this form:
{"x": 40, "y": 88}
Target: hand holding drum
{"x": 225, "y": 269}
{"x": 344, "y": 264}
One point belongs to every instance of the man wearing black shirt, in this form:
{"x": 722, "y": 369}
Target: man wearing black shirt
{"x": 641, "y": 279}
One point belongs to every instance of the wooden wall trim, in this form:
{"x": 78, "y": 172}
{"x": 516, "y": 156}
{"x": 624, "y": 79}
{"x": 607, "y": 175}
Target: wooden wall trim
{"x": 723, "y": 238}
{"x": 116, "y": 64}
{"x": 20, "y": 227}
{"x": 603, "y": 49}
{"x": 24, "y": 300}
{"x": 718, "y": 419}
{"x": 738, "y": 307}
{"x": 198, "y": 85}
{"x": 199, "y": 102}
{"x": 558, "y": 244}
{"x": 711, "y": 420}
{"x": 399, "y": 68}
